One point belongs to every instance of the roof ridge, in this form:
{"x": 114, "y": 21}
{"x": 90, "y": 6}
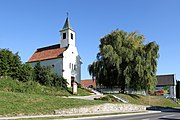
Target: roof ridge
{"x": 49, "y": 47}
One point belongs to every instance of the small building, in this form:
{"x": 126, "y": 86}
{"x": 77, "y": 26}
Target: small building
{"x": 63, "y": 57}
{"x": 168, "y": 83}
{"x": 89, "y": 83}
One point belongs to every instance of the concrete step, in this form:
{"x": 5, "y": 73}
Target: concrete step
{"x": 120, "y": 99}
{"x": 95, "y": 91}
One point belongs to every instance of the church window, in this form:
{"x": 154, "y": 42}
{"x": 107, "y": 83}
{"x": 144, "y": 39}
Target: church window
{"x": 70, "y": 65}
{"x": 64, "y": 35}
{"x": 71, "y": 36}
{"x": 74, "y": 67}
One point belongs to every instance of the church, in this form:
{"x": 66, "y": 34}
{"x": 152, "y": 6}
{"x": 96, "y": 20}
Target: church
{"x": 63, "y": 58}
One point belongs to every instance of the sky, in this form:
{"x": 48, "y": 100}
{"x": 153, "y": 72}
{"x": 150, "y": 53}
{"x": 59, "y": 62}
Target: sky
{"x": 26, "y": 25}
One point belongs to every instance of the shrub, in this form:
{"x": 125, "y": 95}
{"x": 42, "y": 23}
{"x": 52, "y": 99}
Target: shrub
{"x": 42, "y": 74}
{"x": 45, "y": 76}
{"x": 59, "y": 81}
{"x": 79, "y": 85}
{"x": 26, "y": 72}
{"x": 108, "y": 98}
{"x": 159, "y": 92}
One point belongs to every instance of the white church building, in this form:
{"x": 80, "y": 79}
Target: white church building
{"x": 63, "y": 57}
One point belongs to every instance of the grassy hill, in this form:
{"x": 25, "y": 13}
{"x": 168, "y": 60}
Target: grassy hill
{"x": 28, "y": 98}
{"x": 12, "y": 103}
{"x": 31, "y": 98}
{"x": 34, "y": 104}
{"x": 31, "y": 87}
{"x": 148, "y": 100}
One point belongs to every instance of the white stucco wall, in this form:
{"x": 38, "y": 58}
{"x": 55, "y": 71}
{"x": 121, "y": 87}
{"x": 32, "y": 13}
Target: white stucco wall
{"x": 56, "y": 62}
{"x": 70, "y": 56}
{"x": 173, "y": 91}
{"x": 78, "y": 75}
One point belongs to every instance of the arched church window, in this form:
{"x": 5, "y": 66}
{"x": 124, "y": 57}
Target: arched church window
{"x": 75, "y": 67}
{"x": 70, "y": 65}
{"x": 64, "y": 35}
{"x": 71, "y": 36}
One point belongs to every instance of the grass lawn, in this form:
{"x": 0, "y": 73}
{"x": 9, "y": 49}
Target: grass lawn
{"x": 81, "y": 92}
{"x": 31, "y": 87}
{"x": 31, "y": 98}
{"x": 12, "y": 104}
{"x": 148, "y": 100}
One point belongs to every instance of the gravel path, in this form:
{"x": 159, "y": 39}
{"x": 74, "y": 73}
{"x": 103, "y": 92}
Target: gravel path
{"x": 90, "y": 97}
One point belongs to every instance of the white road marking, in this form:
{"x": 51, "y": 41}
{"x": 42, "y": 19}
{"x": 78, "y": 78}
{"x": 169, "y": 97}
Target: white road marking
{"x": 167, "y": 116}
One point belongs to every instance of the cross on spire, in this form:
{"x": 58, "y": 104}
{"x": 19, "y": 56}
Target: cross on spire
{"x": 67, "y": 23}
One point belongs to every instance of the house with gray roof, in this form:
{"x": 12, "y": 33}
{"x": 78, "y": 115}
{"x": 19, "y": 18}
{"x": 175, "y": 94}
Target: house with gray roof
{"x": 167, "y": 81}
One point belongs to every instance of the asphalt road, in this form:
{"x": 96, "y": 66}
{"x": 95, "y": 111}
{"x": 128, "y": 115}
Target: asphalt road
{"x": 150, "y": 116}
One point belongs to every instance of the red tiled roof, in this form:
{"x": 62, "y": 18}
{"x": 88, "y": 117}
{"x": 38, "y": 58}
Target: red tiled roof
{"x": 88, "y": 82}
{"x": 49, "y": 52}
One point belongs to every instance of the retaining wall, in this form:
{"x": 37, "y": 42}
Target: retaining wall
{"x": 103, "y": 108}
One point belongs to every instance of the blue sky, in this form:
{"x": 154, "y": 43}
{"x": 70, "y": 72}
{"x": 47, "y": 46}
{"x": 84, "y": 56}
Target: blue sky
{"x": 26, "y": 25}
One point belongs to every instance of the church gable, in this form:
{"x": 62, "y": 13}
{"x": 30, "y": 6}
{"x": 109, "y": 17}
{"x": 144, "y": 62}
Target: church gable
{"x": 46, "y": 53}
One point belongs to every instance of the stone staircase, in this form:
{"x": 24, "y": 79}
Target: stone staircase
{"x": 120, "y": 99}
{"x": 101, "y": 94}
{"x": 95, "y": 91}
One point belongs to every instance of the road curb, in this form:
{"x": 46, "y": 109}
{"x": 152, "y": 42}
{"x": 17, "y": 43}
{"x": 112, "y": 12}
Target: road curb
{"x": 129, "y": 114}
{"x": 94, "y": 115}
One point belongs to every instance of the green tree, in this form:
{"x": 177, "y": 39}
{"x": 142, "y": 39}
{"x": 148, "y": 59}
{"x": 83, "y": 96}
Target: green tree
{"x": 26, "y": 72}
{"x": 42, "y": 74}
{"x": 59, "y": 81}
{"x": 10, "y": 64}
{"x": 45, "y": 76}
{"x": 125, "y": 61}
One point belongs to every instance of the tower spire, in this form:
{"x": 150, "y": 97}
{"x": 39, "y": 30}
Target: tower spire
{"x": 67, "y": 23}
{"x": 67, "y": 34}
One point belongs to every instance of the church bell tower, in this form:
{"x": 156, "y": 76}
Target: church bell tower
{"x": 67, "y": 35}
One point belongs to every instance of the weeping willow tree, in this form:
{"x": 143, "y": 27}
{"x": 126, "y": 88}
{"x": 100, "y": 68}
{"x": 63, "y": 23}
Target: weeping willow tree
{"x": 125, "y": 60}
